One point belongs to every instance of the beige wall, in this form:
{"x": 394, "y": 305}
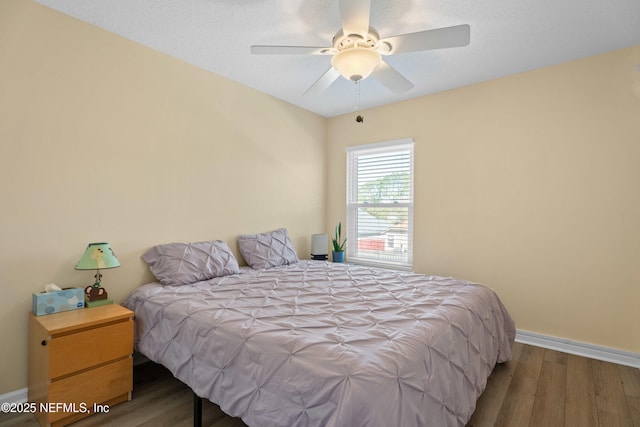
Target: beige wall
{"x": 530, "y": 184}
{"x": 527, "y": 183}
{"x": 103, "y": 139}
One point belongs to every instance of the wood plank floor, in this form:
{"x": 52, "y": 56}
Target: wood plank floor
{"x": 537, "y": 388}
{"x": 547, "y": 388}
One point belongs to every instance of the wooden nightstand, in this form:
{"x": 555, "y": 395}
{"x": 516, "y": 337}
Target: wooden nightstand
{"x": 77, "y": 359}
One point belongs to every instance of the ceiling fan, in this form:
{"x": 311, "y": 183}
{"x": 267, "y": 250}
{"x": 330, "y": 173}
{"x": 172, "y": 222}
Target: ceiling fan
{"x": 357, "y": 49}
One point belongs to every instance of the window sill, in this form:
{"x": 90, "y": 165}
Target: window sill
{"x": 380, "y": 264}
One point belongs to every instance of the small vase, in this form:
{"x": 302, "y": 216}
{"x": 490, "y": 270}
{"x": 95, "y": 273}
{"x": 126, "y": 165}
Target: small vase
{"x": 338, "y": 256}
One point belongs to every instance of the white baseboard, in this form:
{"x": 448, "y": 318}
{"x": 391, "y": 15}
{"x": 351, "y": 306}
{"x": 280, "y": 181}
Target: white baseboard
{"x": 592, "y": 351}
{"x": 17, "y": 396}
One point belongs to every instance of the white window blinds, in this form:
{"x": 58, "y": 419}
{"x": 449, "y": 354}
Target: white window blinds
{"x": 380, "y": 204}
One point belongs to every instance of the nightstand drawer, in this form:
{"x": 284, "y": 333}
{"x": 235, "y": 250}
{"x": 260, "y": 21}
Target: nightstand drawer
{"x": 82, "y": 350}
{"x": 96, "y": 386}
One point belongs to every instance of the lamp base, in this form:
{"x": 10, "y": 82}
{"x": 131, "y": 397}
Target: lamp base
{"x": 97, "y": 303}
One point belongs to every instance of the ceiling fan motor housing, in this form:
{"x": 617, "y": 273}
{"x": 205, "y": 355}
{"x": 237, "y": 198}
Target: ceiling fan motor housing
{"x": 356, "y": 56}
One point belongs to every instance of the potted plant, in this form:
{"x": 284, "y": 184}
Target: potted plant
{"x": 338, "y": 246}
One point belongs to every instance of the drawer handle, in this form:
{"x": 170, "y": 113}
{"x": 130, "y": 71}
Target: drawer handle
{"x": 43, "y": 343}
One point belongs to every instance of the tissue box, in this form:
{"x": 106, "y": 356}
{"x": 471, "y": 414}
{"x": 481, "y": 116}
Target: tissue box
{"x": 55, "y": 302}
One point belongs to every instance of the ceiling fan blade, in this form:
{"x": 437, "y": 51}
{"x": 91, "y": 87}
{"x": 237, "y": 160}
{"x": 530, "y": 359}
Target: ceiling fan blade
{"x": 355, "y": 16}
{"x": 323, "y": 82}
{"x": 289, "y": 50}
{"x": 391, "y": 79}
{"x": 440, "y": 38}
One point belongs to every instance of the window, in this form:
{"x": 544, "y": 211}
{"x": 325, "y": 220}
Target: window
{"x": 380, "y": 204}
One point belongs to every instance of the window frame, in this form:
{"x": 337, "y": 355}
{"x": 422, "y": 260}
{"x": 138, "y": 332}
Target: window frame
{"x": 352, "y": 205}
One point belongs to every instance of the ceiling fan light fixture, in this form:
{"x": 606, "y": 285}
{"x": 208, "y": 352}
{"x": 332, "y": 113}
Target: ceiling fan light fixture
{"x": 356, "y": 63}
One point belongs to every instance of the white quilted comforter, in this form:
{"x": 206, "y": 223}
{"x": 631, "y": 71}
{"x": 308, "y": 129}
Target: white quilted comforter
{"x": 323, "y": 344}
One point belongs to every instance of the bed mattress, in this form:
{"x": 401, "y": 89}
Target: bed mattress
{"x": 324, "y": 344}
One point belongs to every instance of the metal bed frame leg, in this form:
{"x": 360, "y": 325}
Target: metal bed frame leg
{"x": 197, "y": 410}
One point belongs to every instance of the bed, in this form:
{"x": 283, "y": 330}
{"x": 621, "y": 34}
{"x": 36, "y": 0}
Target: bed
{"x": 313, "y": 343}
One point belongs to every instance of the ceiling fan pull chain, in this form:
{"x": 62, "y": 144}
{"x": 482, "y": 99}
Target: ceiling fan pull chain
{"x": 359, "y": 118}
{"x": 356, "y": 97}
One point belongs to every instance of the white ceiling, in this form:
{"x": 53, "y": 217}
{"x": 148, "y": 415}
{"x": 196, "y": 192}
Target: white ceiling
{"x": 507, "y": 37}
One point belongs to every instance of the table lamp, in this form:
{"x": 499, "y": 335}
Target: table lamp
{"x": 319, "y": 247}
{"x": 97, "y": 256}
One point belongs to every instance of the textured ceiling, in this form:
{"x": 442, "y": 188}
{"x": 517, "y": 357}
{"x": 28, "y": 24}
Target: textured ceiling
{"x": 507, "y": 37}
